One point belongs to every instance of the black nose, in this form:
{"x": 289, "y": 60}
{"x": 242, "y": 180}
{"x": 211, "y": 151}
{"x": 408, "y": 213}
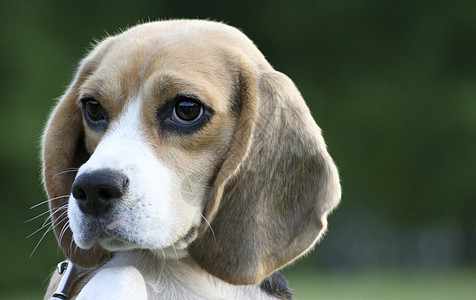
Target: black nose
{"x": 95, "y": 192}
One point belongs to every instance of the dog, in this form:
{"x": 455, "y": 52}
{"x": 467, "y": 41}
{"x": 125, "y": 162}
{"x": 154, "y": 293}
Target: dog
{"x": 180, "y": 165}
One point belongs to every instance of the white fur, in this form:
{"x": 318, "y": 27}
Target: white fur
{"x": 115, "y": 283}
{"x": 146, "y": 277}
{"x": 151, "y": 214}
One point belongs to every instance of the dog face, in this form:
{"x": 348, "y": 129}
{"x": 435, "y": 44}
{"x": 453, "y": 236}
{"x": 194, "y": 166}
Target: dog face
{"x": 178, "y": 137}
{"x": 155, "y": 135}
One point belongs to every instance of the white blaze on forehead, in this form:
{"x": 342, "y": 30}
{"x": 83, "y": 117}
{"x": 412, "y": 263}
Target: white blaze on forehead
{"x": 124, "y": 144}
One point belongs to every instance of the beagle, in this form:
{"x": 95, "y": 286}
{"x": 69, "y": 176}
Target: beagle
{"x": 180, "y": 165}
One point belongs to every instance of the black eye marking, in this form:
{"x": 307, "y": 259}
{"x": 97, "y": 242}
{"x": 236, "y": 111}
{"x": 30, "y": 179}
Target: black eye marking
{"x": 184, "y": 115}
{"x": 94, "y": 114}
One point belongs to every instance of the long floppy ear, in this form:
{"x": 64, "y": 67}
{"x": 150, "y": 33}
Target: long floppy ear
{"x": 279, "y": 186}
{"x": 63, "y": 152}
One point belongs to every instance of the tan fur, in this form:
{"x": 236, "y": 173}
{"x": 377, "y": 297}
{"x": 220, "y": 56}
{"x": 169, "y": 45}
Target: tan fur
{"x": 273, "y": 181}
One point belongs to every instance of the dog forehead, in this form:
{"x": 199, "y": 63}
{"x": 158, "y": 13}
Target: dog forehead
{"x": 195, "y": 51}
{"x": 190, "y": 32}
{"x": 193, "y": 45}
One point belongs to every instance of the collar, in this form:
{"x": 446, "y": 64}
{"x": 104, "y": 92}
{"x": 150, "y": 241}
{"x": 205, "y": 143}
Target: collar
{"x": 70, "y": 274}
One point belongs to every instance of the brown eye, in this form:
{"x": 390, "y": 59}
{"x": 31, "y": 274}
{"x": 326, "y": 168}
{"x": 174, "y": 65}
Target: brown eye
{"x": 94, "y": 110}
{"x": 187, "y": 112}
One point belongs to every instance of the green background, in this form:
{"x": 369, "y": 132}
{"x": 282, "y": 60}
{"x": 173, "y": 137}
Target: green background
{"x": 391, "y": 83}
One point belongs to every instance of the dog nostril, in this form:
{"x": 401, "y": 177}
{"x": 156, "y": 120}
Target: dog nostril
{"x": 79, "y": 193}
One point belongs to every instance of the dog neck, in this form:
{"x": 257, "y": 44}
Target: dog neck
{"x": 143, "y": 275}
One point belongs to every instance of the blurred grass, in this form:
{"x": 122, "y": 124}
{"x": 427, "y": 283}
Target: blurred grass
{"x": 428, "y": 284}
{"x": 389, "y": 284}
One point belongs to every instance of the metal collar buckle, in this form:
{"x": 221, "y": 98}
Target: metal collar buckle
{"x": 70, "y": 273}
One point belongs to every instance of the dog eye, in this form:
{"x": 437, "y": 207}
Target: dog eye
{"x": 183, "y": 115}
{"x": 93, "y": 110}
{"x": 187, "y": 112}
{"x": 95, "y": 115}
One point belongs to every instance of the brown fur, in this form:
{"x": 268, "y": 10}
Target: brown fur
{"x": 273, "y": 181}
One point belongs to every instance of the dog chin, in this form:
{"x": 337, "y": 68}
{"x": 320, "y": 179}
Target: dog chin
{"x": 106, "y": 241}
{"x": 111, "y": 243}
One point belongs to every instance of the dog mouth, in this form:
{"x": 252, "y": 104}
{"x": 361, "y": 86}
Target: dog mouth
{"x": 109, "y": 236}
{"x": 113, "y": 236}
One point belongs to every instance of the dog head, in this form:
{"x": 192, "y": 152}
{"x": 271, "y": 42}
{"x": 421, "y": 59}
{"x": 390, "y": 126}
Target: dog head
{"x": 180, "y": 138}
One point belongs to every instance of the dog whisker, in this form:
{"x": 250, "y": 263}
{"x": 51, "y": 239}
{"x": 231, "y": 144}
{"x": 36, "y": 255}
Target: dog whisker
{"x": 48, "y": 223}
{"x": 63, "y": 230}
{"x": 45, "y": 224}
{"x": 176, "y": 254}
{"x": 163, "y": 254}
{"x": 41, "y": 239}
{"x": 49, "y": 200}
{"x": 53, "y": 212}
{"x": 36, "y": 217}
{"x": 61, "y": 218}
{"x": 209, "y": 225}
{"x": 39, "y": 229}
{"x": 70, "y": 170}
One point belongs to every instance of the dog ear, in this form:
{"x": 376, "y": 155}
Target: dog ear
{"x": 63, "y": 152}
{"x": 273, "y": 193}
